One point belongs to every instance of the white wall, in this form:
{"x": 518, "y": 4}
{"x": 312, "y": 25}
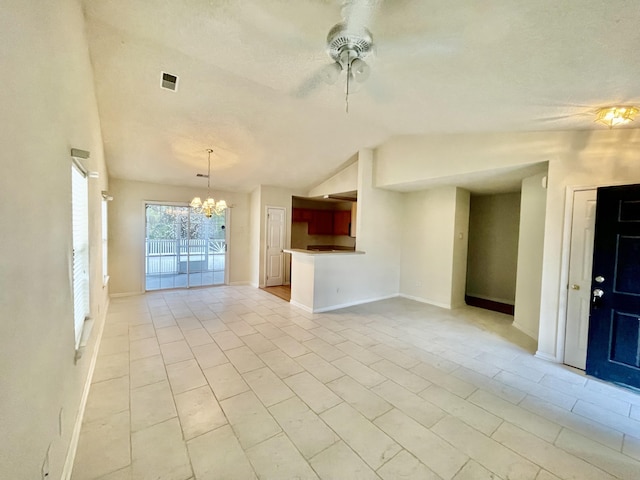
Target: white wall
{"x": 255, "y": 218}
{"x": 127, "y": 231}
{"x": 341, "y": 280}
{"x": 432, "y": 219}
{"x": 602, "y": 157}
{"x": 530, "y": 255}
{"x": 345, "y": 180}
{"x": 494, "y": 223}
{"x": 417, "y": 159}
{"x": 580, "y": 158}
{"x": 48, "y": 107}
{"x": 379, "y": 226}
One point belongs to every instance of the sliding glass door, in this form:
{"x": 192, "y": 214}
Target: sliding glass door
{"x": 182, "y": 248}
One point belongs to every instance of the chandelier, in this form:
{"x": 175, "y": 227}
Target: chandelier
{"x": 209, "y": 207}
{"x": 614, "y": 116}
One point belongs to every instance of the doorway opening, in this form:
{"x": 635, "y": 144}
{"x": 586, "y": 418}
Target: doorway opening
{"x": 183, "y": 248}
{"x": 492, "y": 258}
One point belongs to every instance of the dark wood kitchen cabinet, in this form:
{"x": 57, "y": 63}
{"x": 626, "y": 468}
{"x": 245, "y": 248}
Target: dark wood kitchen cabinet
{"x": 341, "y": 222}
{"x": 302, "y": 215}
{"x": 322, "y": 223}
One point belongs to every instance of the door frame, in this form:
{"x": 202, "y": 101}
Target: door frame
{"x": 563, "y": 296}
{"x": 285, "y": 273}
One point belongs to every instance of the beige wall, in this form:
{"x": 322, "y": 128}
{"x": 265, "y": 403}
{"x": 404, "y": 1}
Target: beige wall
{"x": 432, "y": 219}
{"x": 580, "y": 158}
{"x": 48, "y": 106}
{"x": 493, "y": 247}
{"x": 127, "y": 231}
{"x": 530, "y": 254}
{"x": 460, "y": 247}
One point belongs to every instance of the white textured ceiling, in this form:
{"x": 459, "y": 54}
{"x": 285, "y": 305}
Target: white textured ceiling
{"x": 246, "y": 89}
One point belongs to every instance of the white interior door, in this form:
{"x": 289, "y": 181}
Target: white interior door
{"x": 275, "y": 243}
{"x": 580, "y": 263}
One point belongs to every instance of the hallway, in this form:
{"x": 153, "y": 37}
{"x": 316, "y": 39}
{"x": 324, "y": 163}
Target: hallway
{"x": 233, "y": 383}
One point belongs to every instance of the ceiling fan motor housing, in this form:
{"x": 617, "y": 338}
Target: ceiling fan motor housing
{"x": 343, "y": 45}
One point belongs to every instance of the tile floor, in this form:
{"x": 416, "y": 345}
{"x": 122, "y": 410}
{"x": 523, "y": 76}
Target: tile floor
{"x": 234, "y": 383}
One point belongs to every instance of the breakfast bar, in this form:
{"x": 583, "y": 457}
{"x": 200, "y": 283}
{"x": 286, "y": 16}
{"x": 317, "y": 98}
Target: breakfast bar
{"x": 323, "y": 280}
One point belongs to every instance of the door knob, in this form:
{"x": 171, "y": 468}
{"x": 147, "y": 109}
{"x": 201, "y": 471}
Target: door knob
{"x": 596, "y": 299}
{"x": 575, "y": 286}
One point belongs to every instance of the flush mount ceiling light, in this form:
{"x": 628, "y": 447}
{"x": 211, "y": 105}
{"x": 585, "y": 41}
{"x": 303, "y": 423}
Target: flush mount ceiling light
{"x": 614, "y": 116}
{"x": 209, "y": 207}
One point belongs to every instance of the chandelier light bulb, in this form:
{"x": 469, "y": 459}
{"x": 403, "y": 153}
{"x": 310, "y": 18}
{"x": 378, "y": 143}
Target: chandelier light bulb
{"x": 209, "y": 207}
{"x": 614, "y": 116}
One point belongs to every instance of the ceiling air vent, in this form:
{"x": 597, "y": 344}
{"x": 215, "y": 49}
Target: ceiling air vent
{"x": 169, "y": 82}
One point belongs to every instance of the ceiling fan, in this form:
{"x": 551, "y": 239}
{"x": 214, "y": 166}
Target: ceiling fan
{"x": 349, "y": 42}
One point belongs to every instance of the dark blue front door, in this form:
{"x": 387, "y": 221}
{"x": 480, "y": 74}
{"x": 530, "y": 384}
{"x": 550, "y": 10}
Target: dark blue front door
{"x": 613, "y": 351}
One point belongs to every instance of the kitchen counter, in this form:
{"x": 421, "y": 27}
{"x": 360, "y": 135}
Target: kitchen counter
{"x": 325, "y": 280}
{"x": 322, "y": 252}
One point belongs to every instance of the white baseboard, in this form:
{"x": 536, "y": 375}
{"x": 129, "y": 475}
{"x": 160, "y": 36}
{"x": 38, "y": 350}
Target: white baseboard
{"x": 241, "y": 283}
{"x": 125, "y": 294}
{"x": 301, "y": 306}
{"x": 351, "y": 304}
{"x": 425, "y": 300}
{"x": 524, "y": 330}
{"x": 67, "y": 470}
{"x": 547, "y": 357}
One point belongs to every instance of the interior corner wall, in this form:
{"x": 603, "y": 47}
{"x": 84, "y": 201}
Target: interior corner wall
{"x": 494, "y": 223}
{"x": 48, "y": 107}
{"x": 255, "y": 219}
{"x": 428, "y": 244}
{"x": 127, "y": 231}
{"x": 460, "y": 247}
{"x": 378, "y": 226}
{"x": 530, "y": 255}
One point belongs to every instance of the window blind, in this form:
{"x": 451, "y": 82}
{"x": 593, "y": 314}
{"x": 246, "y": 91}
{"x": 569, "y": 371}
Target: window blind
{"x": 105, "y": 243}
{"x": 80, "y": 223}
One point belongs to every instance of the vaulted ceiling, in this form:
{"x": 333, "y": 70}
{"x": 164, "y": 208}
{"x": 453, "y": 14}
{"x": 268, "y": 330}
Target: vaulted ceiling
{"x": 248, "y": 68}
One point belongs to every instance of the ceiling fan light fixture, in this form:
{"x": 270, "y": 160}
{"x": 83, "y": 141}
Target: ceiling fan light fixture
{"x": 360, "y": 70}
{"x": 331, "y": 73}
{"x": 617, "y": 115}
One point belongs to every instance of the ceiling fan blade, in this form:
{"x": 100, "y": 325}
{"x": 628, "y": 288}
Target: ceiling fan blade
{"x": 325, "y": 75}
{"x": 563, "y": 117}
{"x": 358, "y": 14}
